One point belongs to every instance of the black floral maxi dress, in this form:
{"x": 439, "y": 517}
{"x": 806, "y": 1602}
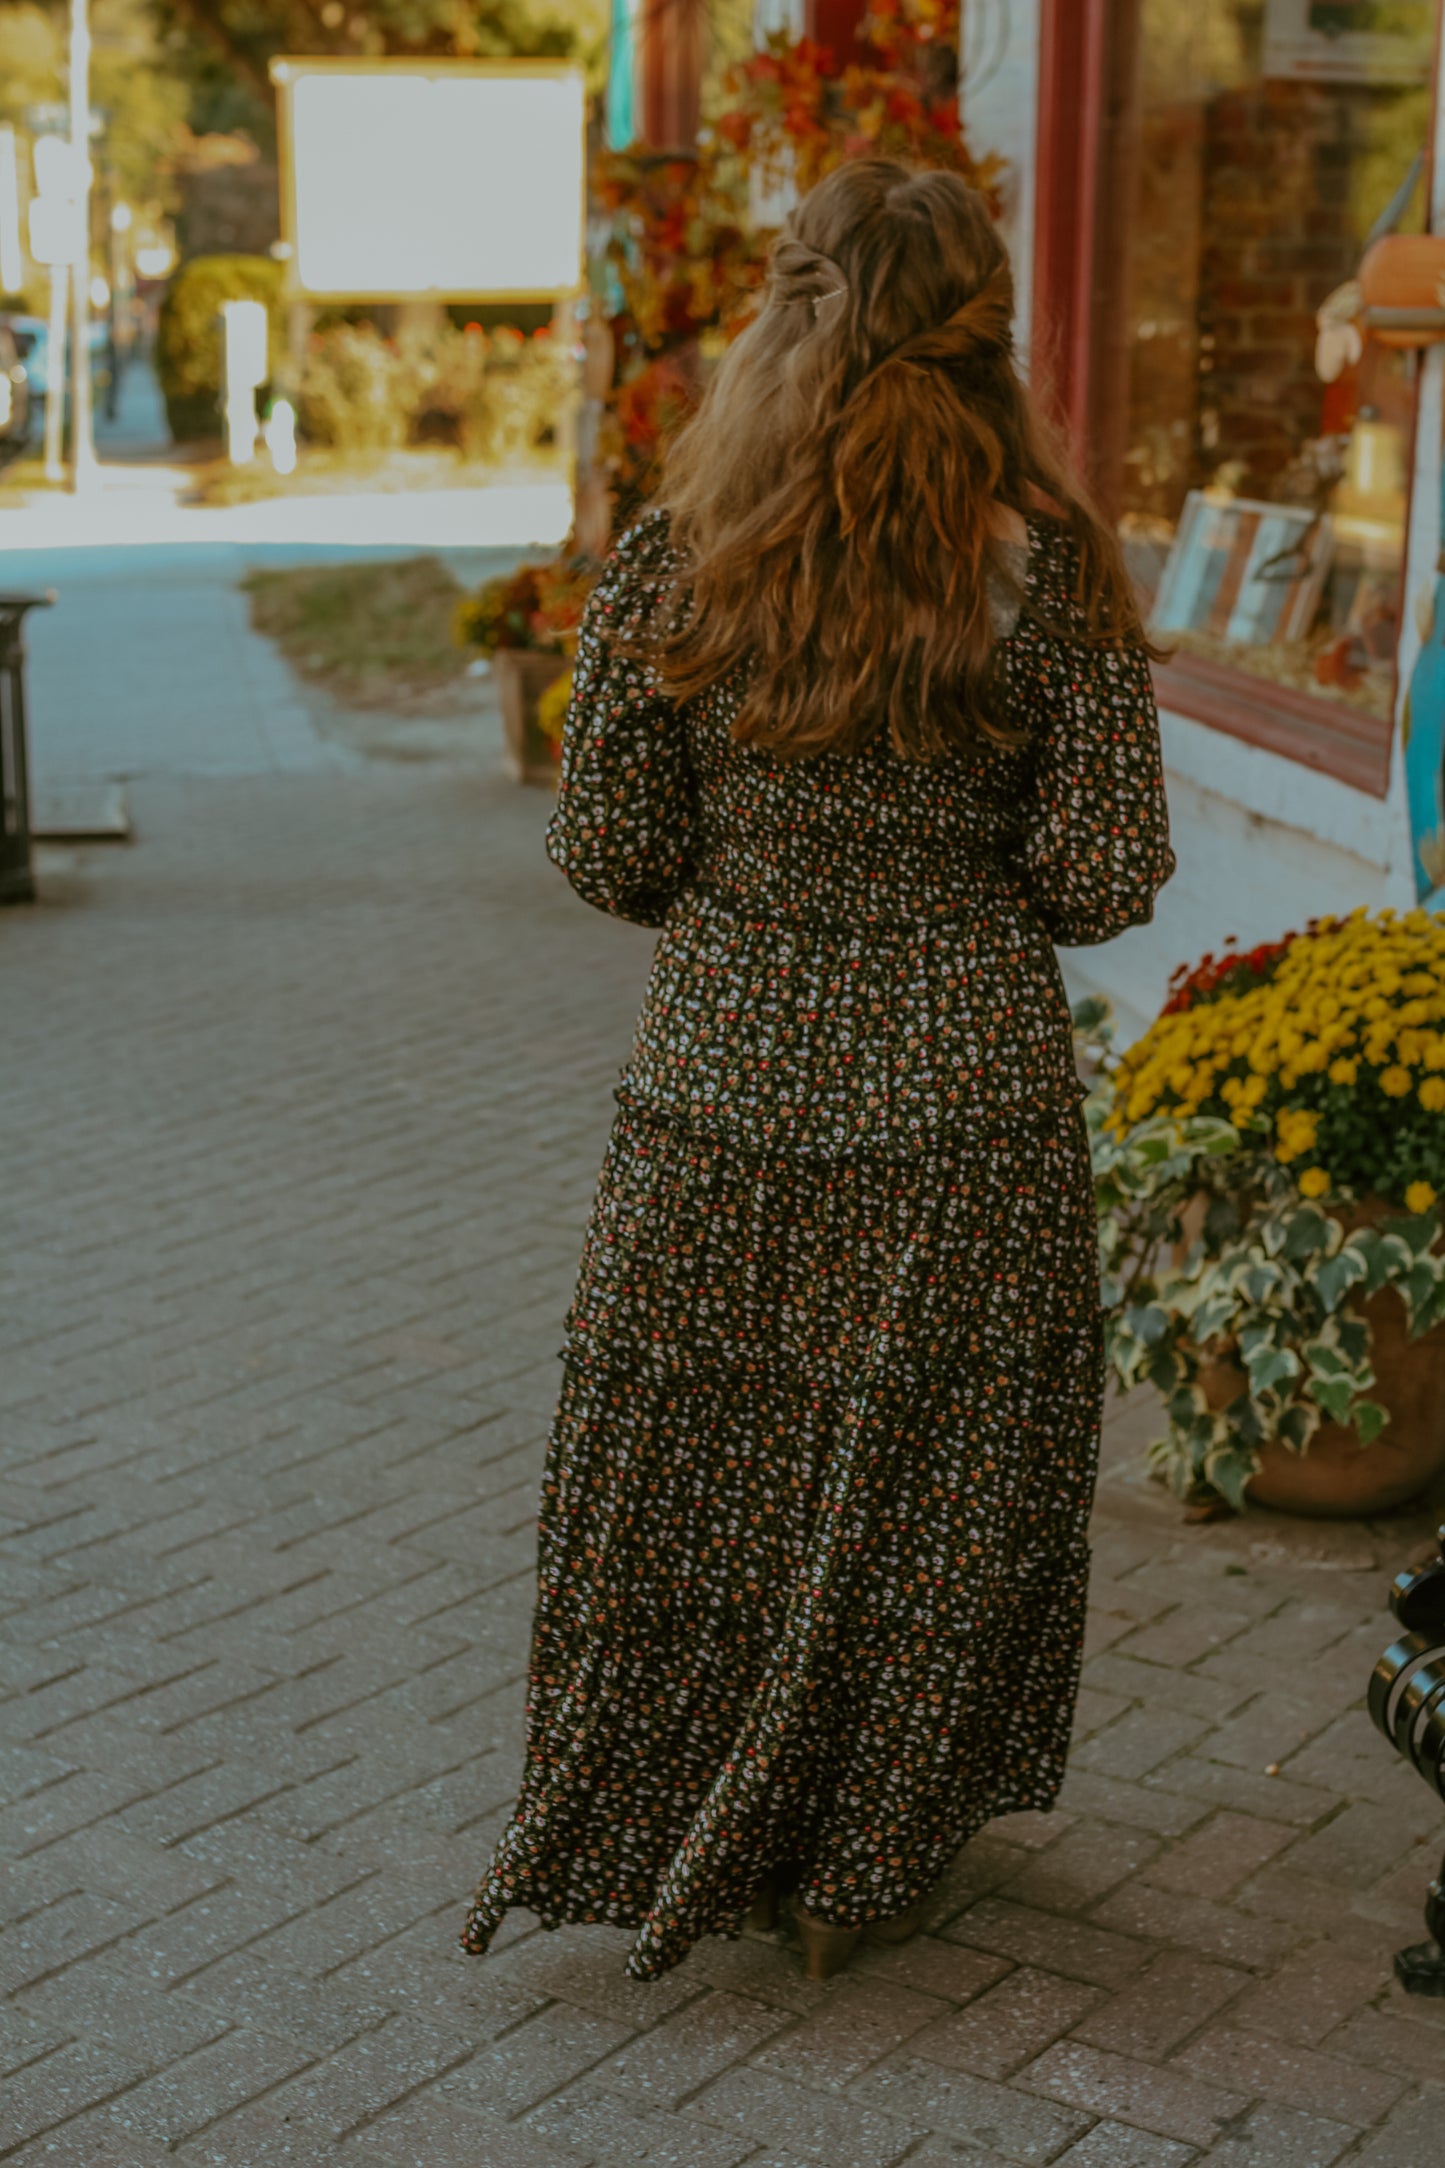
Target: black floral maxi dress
{"x": 813, "y": 1524}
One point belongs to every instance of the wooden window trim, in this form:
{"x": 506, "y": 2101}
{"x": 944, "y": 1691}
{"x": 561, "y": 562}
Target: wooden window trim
{"x": 1326, "y": 735}
{"x": 1087, "y": 102}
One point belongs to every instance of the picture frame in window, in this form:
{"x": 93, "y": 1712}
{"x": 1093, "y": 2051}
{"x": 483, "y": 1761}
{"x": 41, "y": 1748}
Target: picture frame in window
{"x": 1349, "y": 41}
{"x": 1244, "y": 572}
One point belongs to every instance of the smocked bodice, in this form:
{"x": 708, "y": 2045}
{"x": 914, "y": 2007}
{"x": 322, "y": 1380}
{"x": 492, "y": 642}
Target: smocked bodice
{"x": 857, "y": 950}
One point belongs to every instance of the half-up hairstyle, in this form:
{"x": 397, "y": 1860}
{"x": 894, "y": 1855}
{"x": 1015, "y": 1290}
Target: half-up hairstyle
{"x": 837, "y": 499}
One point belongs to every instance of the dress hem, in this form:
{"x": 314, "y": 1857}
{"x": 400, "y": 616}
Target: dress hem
{"x": 654, "y": 1962}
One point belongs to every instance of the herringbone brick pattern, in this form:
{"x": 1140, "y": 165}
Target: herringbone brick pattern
{"x": 303, "y": 1101}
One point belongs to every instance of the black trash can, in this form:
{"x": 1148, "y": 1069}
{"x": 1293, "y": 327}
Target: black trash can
{"x": 17, "y": 882}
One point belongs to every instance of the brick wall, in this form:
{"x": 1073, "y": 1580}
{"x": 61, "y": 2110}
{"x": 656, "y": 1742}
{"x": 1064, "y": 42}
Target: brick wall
{"x": 1282, "y": 172}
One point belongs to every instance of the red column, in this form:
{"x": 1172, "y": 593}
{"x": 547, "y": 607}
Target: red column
{"x": 834, "y": 23}
{"x": 670, "y": 56}
{"x": 1088, "y": 133}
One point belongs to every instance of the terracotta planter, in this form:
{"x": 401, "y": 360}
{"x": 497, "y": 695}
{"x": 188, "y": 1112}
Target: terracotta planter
{"x": 1337, "y": 1477}
{"x": 522, "y": 676}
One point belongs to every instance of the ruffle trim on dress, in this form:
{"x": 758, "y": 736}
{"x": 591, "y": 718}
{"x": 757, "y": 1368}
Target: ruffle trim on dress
{"x": 633, "y": 1372}
{"x": 660, "y": 1944}
{"x": 978, "y": 1128}
{"x": 764, "y": 1782}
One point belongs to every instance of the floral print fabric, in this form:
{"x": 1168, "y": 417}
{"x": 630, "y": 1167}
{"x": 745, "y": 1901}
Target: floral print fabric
{"x": 813, "y": 1526}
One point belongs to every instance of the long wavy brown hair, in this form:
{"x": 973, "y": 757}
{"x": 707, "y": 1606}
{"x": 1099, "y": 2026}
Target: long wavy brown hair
{"x": 838, "y": 497}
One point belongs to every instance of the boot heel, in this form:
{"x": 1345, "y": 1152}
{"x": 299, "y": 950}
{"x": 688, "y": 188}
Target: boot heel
{"x": 826, "y": 1949}
{"x": 762, "y": 1914}
{"x": 901, "y": 1927}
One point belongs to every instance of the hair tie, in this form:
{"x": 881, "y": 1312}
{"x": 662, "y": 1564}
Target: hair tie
{"x": 796, "y": 271}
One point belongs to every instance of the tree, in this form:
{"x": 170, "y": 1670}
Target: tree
{"x": 143, "y": 103}
{"x": 235, "y": 40}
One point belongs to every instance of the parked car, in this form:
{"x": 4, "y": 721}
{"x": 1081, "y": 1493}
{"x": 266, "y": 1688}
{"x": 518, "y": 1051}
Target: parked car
{"x": 14, "y": 392}
{"x": 32, "y": 336}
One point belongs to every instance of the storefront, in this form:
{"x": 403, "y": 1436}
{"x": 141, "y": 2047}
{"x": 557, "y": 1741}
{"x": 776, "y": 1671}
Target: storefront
{"x": 1189, "y": 183}
{"x": 1191, "y": 180}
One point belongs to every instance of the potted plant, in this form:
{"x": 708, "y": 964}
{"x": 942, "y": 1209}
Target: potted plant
{"x": 1268, "y": 1164}
{"x": 527, "y": 623}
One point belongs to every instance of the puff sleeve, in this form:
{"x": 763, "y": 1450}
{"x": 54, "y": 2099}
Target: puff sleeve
{"x": 624, "y": 827}
{"x": 1095, "y": 846}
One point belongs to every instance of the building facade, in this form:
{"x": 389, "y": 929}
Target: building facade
{"x": 1192, "y": 188}
{"x": 1191, "y": 181}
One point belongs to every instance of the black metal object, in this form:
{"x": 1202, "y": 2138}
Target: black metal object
{"x": 17, "y": 882}
{"x": 1407, "y": 1702}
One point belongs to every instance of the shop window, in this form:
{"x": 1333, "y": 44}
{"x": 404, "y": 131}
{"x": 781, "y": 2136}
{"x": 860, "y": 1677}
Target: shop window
{"x": 1255, "y": 143}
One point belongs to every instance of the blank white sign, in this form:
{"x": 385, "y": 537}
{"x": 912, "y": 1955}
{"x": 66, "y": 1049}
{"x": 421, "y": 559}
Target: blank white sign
{"x": 436, "y": 181}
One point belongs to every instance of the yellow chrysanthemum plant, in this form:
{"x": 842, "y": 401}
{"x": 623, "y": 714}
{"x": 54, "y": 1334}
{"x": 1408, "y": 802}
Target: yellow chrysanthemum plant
{"x": 1270, "y": 1151}
{"x": 552, "y": 707}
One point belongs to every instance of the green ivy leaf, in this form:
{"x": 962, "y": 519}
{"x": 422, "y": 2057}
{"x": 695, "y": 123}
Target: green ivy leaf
{"x": 1148, "y": 1322}
{"x": 1417, "y": 1288}
{"x": 1306, "y": 1232}
{"x": 1333, "y": 1279}
{"x": 1091, "y": 1015}
{"x": 1431, "y": 1313}
{"x": 1271, "y": 1367}
{"x": 1164, "y": 1368}
{"x": 1369, "y": 1419}
{"x": 1221, "y": 1221}
{"x": 1352, "y": 1335}
{"x": 1333, "y": 1394}
{"x": 1418, "y": 1231}
{"x": 1230, "y": 1468}
{"x": 1213, "y": 1137}
{"x": 1297, "y": 1425}
{"x": 1262, "y": 1280}
{"x": 1247, "y": 1422}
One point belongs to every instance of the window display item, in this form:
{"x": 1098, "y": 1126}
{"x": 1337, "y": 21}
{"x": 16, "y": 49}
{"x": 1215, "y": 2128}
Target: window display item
{"x": 1243, "y": 571}
{"x": 1402, "y": 289}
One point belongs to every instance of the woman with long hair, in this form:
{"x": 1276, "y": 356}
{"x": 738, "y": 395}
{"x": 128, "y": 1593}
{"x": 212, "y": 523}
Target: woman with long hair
{"x": 862, "y": 720}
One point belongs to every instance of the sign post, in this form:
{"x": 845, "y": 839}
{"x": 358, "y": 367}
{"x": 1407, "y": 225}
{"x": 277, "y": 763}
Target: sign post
{"x": 56, "y": 241}
{"x": 82, "y": 432}
{"x": 246, "y": 367}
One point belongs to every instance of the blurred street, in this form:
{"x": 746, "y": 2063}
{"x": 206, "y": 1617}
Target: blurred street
{"x": 304, "y": 1095}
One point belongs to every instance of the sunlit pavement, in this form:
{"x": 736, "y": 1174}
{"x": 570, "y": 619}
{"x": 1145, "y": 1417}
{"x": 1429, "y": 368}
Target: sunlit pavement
{"x": 145, "y": 505}
{"x": 304, "y": 1093}
{"x": 139, "y": 499}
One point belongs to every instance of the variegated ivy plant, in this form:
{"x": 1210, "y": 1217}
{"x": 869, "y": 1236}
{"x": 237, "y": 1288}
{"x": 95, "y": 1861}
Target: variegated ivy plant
{"x": 1264, "y": 1283}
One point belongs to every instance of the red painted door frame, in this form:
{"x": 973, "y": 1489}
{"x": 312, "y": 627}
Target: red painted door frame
{"x": 834, "y": 23}
{"x": 670, "y": 47}
{"x": 1087, "y": 132}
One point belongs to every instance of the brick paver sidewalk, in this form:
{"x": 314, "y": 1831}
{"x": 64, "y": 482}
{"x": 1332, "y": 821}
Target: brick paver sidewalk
{"x": 303, "y": 1101}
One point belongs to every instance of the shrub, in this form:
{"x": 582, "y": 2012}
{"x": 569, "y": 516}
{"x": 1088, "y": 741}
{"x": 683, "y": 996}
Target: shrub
{"x": 497, "y": 397}
{"x": 356, "y": 391}
{"x": 188, "y": 338}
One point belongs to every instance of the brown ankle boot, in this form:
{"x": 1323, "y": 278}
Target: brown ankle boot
{"x": 899, "y": 1926}
{"x": 826, "y": 1949}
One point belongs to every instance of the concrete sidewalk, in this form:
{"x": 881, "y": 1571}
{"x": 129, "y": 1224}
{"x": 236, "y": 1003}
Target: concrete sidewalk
{"x": 146, "y": 665}
{"x": 304, "y": 1095}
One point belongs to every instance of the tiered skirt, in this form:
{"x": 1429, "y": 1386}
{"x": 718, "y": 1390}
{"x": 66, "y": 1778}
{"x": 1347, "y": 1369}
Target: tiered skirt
{"x": 813, "y": 1528}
